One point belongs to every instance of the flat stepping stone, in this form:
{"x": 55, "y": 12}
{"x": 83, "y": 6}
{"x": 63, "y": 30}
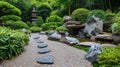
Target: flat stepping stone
{"x": 42, "y": 45}
{"x": 36, "y": 37}
{"x": 44, "y": 50}
{"x": 45, "y": 60}
{"x": 39, "y": 41}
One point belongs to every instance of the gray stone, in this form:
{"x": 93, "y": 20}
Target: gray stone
{"x": 88, "y": 43}
{"x": 42, "y": 45}
{"x": 94, "y": 26}
{"x": 36, "y": 37}
{"x": 55, "y": 36}
{"x": 72, "y": 40}
{"x": 67, "y": 18}
{"x": 45, "y": 60}
{"x": 51, "y": 32}
{"x": 42, "y": 32}
{"x": 44, "y": 50}
{"x": 39, "y": 41}
{"x": 93, "y": 52}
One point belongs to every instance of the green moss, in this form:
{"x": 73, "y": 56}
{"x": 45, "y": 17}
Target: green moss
{"x": 85, "y": 48}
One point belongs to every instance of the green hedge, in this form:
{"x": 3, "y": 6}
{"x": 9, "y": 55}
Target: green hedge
{"x": 80, "y": 14}
{"x": 10, "y": 17}
{"x": 35, "y": 29}
{"x": 16, "y": 25}
{"x": 52, "y": 25}
{"x": 54, "y": 18}
{"x": 61, "y": 28}
{"x": 11, "y": 42}
{"x": 110, "y": 57}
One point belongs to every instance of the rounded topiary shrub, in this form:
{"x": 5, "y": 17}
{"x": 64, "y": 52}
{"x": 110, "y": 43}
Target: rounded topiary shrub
{"x": 98, "y": 13}
{"x": 35, "y": 29}
{"x": 54, "y": 18}
{"x": 80, "y": 14}
{"x": 10, "y": 17}
{"x": 39, "y": 21}
{"x": 16, "y": 25}
{"x": 61, "y": 28}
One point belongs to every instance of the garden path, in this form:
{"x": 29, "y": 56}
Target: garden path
{"x": 63, "y": 55}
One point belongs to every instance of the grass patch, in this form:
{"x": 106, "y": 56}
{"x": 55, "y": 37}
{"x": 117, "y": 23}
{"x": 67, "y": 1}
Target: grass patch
{"x": 85, "y": 48}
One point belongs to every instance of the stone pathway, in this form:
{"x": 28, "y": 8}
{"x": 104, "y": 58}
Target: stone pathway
{"x": 63, "y": 55}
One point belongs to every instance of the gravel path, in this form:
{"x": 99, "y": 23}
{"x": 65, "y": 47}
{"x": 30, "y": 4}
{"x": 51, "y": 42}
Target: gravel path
{"x": 63, "y": 55}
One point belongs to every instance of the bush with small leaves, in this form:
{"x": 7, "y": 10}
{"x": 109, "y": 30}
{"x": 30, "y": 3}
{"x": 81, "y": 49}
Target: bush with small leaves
{"x": 35, "y": 29}
{"x": 54, "y": 18}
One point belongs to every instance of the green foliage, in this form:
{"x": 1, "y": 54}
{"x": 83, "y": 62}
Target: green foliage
{"x": 54, "y": 18}
{"x": 110, "y": 57}
{"x": 16, "y": 25}
{"x": 39, "y": 21}
{"x": 52, "y": 25}
{"x": 81, "y": 47}
{"x": 61, "y": 28}
{"x": 10, "y": 17}
{"x": 44, "y": 10}
{"x": 8, "y": 9}
{"x": 98, "y": 13}
{"x": 11, "y": 42}
{"x": 116, "y": 25}
{"x": 47, "y": 31}
{"x": 80, "y": 14}
{"x": 35, "y": 29}
{"x": 109, "y": 16}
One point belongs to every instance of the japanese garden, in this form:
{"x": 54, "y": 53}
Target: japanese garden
{"x": 59, "y": 33}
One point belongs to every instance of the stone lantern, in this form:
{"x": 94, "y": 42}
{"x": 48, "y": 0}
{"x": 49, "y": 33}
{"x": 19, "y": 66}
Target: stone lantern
{"x": 33, "y": 15}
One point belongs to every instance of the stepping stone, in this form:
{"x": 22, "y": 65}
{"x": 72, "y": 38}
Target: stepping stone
{"x": 42, "y": 45}
{"x": 45, "y": 60}
{"x": 44, "y": 50}
{"x": 39, "y": 41}
{"x": 36, "y": 37}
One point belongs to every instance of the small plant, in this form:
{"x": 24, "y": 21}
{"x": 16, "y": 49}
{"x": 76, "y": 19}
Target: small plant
{"x": 98, "y": 13}
{"x": 54, "y": 18}
{"x": 35, "y": 29}
{"x": 80, "y": 14}
{"x": 61, "y": 28}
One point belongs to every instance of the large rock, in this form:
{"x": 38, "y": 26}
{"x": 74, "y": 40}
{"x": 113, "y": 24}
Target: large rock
{"x": 42, "y": 33}
{"x": 116, "y": 38}
{"x": 88, "y": 43}
{"x": 51, "y": 32}
{"x": 93, "y": 52}
{"x": 44, "y": 50}
{"x": 94, "y": 26}
{"x": 72, "y": 40}
{"x": 55, "y": 36}
{"x": 42, "y": 45}
{"x": 45, "y": 60}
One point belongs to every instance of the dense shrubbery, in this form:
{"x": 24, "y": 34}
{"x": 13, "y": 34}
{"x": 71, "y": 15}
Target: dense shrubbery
{"x": 54, "y": 18}
{"x": 116, "y": 25}
{"x": 44, "y": 10}
{"x": 39, "y": 21}
{"x": 61, "y": 28}
{"x": 52, "y": 25}
{"x": 109, "y": 16}
{"x": 80, "y": 14}
{"x": 110, "y": 57}
{"x": 11, "y": 42}
{"x": 10, "y": 17}
{"x": 16, "y": 25}
{"x": 98, "y": 13}
{"x": 35, "y": 29}
{"x": 8, "y": 9}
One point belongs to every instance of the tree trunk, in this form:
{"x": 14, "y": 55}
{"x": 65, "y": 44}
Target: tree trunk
{"x": 69, "y": 10}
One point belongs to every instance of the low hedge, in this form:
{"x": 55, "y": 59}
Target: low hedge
{"x": 35, "y": 29}
{"x": 12, "y": 42}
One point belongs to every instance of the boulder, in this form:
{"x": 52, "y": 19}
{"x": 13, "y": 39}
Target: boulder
{"x": 51, "y": 32}
{"x": 44, "y": 50}
{"x": 116, "y": 38}
{"x": 93, "y": 26}
{"x": 88, "y": 43}
{"x": 42, "y": 45}
{"x": 39, "y": 41}
{"x": 71, "y": 40}
{"x": 45, "y": 60}
{"x": 55, "y": 36}
{"x": 93, "y": 52}
{"x": 42, "y": 32}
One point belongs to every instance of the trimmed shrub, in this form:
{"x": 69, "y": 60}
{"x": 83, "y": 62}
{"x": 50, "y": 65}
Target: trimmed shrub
{"x": 54, "y": 18}
{"x": 12, "y": 42}
{"x": 52, "y": 25}
{"x": 16, "y": 25}
{"x": 8, "y": 9}
{"x": 98, "y": 13}
{"x": 35, "y": 29}
{"x": 80, "y": 14}
{"x": 39, "y": 21}
{"x": 110, "y": 57}
{"x": 116, "y": 25}
{"x": 61, "y": 28}
{"x": 44, "y": 10}
{"x": 10, "y": 17}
